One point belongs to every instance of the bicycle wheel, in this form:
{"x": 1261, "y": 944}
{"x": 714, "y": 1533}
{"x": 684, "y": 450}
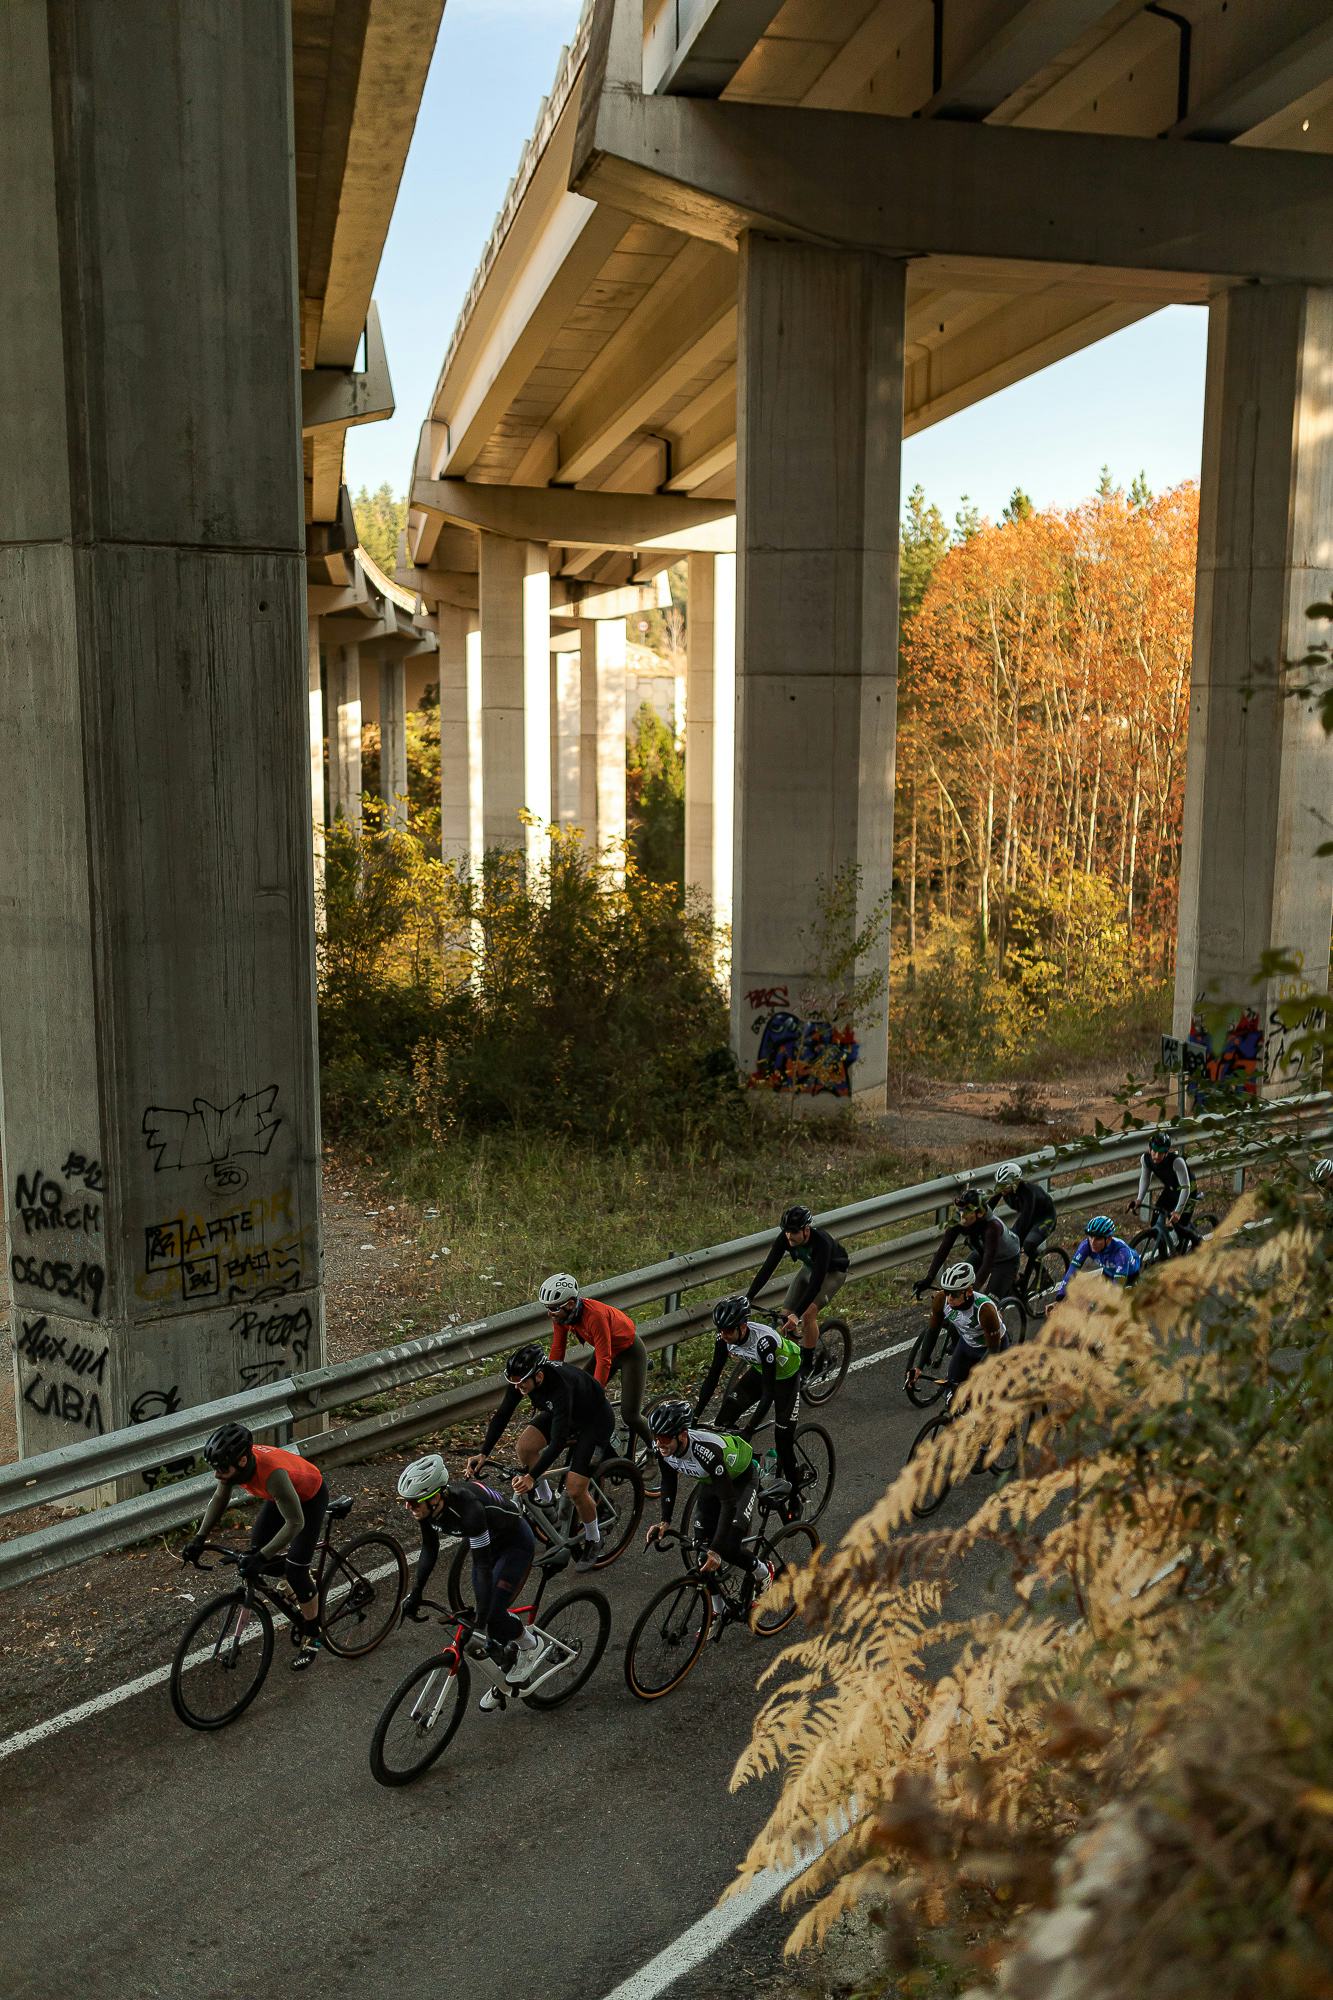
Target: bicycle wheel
{"x": 1203, "y": 1226}
{"x": 1014, "y": 1318}
{"x": 788, "y": 1551}
{"x": 687, "y": 1548}
{"x": 617, "y": 1492}
{"x": 359, "y": 1596}
{"x": 936, "y": 1491}
{"x": 669, "y": 1635}
{"x": 580, "y": 1625}
{"x": 828, "y": 1370}
{"x": 418, "y": 1720}
{"x": 458, "y": 1584}
{"x": 1047, "y": 1270}
{"x": 1149, "y": 1246}
{"x": 231, "y": 1645}
{"x": 816, "y": 1469}
{"x": 926, "y": 1390}
{"x": 1006, "y": 1455}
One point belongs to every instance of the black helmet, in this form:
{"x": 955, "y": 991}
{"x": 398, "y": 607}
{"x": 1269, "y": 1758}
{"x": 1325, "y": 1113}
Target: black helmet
{"x": 797, "y": 1216}
{"x": 969, "y": 1197}
{"x": 670, "y": 1418}
{"x": 731, "y": 1312}
{"x": 1159, "y": 1142}
{"x": 229, "y": 1444}
{"x": 524, "y": 1361}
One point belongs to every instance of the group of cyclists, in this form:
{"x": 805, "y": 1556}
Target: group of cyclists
{"x": 569, "y": 1411}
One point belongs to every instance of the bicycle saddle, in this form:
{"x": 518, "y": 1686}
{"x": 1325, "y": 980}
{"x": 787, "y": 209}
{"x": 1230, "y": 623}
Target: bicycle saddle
{"x": 340, "y": 1508}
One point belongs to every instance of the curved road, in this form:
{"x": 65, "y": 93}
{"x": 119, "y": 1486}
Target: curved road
{"x": 550, "y": 1855}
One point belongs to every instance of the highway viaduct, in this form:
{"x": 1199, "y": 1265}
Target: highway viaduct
{"x": 749, "y": 247}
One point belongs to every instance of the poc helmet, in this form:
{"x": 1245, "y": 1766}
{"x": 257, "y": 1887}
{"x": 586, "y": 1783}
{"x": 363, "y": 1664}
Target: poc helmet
{"x": 797, "y": 1216}
{"x": 670, "y": 1418}
{"x": 524, "y": 1361}
{"x": 1099, "y": 1225}
{"x": 1006, "y": 1175}
{"x": 969, "y": 1197}
{"x": 958, "y": 1278}
{"x": 1159, "y": 1141}
{"x": 423, "y": 1478}
{"x": 731, "y": 1312}
{"x": 559, "y": 1290}
{"x": 229, "y": 1444}
{"x": 1322, "y": 1170}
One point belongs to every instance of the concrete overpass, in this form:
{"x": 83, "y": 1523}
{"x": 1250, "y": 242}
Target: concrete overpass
{"x": 753, "y": 243}
{"x": 198, "y": 193}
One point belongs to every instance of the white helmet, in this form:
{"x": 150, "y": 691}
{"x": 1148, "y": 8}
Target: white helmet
{"x": 423, "y": 1478}
{"x": 958, "y": 1278}
{"x": 1322, "y": 1170}
{"x": 1006, "y": 1175}
{"x": 559, "y": 1290}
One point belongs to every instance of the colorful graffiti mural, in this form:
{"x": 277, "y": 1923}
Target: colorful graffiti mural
{"x": 802, "y": 1053}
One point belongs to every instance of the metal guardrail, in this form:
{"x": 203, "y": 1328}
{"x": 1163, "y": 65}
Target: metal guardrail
{"x": 81, "y": 1468}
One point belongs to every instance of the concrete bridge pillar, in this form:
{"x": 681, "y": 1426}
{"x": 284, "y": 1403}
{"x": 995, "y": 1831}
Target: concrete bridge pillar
{"x": 451, "y": 626}
{"x": 515, "y": 597}
{"x": 566, "y": 733}
{"x": 344, "y": 722}
{"x": 157, "y": 1024}
{"x": 710, "y": 731}
{"x": 315, "y": 707}
{"x": 602, "y": 659}
{"x": 1260, "y": 770}
{"x": 393, "y": 740}
{"x": 819, "y": 404}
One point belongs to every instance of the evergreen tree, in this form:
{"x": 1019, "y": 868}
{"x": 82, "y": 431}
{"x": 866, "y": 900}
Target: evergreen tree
{"x": 1019, "y": 508}
{"x": 966, "y": 522}
{"x": 923, "y": 542}
{"x": 380, "y": 520}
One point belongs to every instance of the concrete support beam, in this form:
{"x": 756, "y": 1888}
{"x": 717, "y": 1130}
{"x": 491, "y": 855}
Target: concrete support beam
{"x": 344, "y": 723}
{"x": 515, "y": 589}
{"x": 1260, "y": 772}
{"x": 315, "y": 709}
{"x": 160, "y": 1085}
{"x": 393, "y": 740}
{"x": 451, "y": 628}
{"x": 710, "y": 732}
{"x": 908, "y": 187}
{"x": 476, "y": 825}
{"x": 602, "y": 655}
{"x": 820, "y": 409}
{"x": 566, "y": 733}
{"x": 580, "y": 520}
{"x": 695, "y": 50}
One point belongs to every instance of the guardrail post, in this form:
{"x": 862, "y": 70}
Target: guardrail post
{"x": 671, "y": 1304}
{"x": 1238, "y": 1180}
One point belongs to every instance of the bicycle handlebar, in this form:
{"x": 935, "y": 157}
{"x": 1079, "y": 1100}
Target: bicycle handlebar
{"x": 219, "y": 1549}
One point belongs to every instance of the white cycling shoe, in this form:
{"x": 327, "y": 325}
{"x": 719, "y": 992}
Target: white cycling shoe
{"x": 527, "y": 1662}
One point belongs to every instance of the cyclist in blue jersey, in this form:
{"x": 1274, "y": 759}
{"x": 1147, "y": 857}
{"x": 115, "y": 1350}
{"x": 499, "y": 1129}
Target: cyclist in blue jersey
{"x": 1109, "y": 1252}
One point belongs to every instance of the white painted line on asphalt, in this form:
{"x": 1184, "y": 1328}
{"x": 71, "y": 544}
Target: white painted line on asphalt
{"x": 880, "y": 1354}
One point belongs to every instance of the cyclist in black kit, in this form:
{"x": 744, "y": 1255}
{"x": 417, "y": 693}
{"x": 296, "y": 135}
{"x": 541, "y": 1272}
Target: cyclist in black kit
{"x": 992, "y": 1249}
{"x": 569, "y": 1410}
{"x": 823, "y": 1272}
{"x": 1033, "y": 1209}
{"x": 1175, "y": 1195}
{"x": 502, "y": 1547}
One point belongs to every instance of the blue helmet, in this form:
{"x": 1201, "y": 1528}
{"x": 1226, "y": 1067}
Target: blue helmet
{"x": 1099, "y": 1225}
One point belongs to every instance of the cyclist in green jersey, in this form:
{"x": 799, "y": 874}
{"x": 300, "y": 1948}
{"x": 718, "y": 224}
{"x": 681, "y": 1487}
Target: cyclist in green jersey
{"x": 725, "y": 1464}
{"x": 972, "y": 1316}
{"x": 772, "y": 1381}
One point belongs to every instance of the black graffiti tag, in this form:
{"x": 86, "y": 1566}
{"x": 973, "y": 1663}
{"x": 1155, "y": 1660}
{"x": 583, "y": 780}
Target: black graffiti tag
{"x": 208, "y": 1133}
{"x": 44, "y": 1203}
{"x": 289, "y": 1330}
{"x": 70, "y": 1402}
{"x": 82, "y": 1284}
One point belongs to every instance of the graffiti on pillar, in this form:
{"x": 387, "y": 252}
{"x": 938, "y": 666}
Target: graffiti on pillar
{"x": 805, "y": 1053}
{"x": 53, "y": 1207}
{"x": 61, "y": 1376}
{"x": 74, "y": 1282}
{"x": 150, "y": 1404}
{"x": 44, "y": 1202}
{"x": 251, "y": 1252}
{"x": 213, "y": 1136}
{"x": 280, "y": 1338}
{"x": 1236, "y": 1063}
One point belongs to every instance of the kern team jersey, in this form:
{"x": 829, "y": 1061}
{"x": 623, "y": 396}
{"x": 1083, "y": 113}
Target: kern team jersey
{"x": 305, "y": 1477}
{"x": 965, "y": 1321}
{"x": 711, "y": 1455}
{"x": 760, "y": 1345}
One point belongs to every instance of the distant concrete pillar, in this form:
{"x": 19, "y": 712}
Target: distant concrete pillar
{"x": 315, "y": 699}
{"x": 566, "y": 735}
{"x": 819, "y": 404}
{"x": 157, "y": 1021}
{"x": 393, "y": 740}
{"x": 345, "y": 737}
{"x": 602, "y": 656}
{"x": 710, "y": 732}
{"x": 515, "y": 597}
{"x": 451, "y": 625}
{"x": 1260, "y": 771}
{"x": 476, "y": 825}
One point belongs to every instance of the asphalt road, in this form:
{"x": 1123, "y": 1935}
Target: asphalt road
{"x": 548, "y": 1855}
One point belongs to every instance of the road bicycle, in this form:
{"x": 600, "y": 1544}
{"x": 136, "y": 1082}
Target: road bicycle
{"x": 674, "y": 1626}
{"x": 817, "y": 1472}
{"x": 1002, "y": 1458}
{"x": 1160, "y": 1240}
{"x": 923, "y": 1357}
{"x": 828, "y": 1370}
{"x": 227, "y": 1648}
{"x": 617, "y": 1491}
{"x": 1038, "y": 1275}
{"x": 422, "y": 1715}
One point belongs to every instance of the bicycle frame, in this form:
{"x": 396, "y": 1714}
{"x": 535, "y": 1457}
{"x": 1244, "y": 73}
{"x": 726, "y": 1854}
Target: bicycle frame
{"x": 452, "y": 1653}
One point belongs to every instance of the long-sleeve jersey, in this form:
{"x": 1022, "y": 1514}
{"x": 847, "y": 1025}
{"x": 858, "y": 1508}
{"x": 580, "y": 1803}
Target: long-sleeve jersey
{"x": 822, "y": 1254}
{"x": 1117, "y": 1262}
{"x": 1174, "y": 1175}
{"x": 725, "y": 1461}
{"x": 769, "y": 1353}
{"x": 989, "y": 1243}
{"x": 576, "y": 1400}
{"x": 1031, "y": 1204}
{"x": 607, "y": 1330}
{"x": 484, "y": 1518}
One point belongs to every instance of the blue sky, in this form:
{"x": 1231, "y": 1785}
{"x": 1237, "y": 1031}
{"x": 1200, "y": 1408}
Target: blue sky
{"x": 1133, "y": 402}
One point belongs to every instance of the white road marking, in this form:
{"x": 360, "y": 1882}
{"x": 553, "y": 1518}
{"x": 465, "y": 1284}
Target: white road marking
{"x": 98, "y": 1704}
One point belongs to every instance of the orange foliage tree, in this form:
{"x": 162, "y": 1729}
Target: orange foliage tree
{"x": 1043, "y": 708}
